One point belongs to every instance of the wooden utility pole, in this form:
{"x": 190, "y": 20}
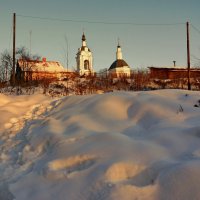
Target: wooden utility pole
{"x": 67, "y": 60}
{"x": 188, "y": 56}
{"x": 30, "y": 41}
{"x": 14, "y": 37}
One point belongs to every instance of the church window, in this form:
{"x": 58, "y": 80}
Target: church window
{"x": 86, "y": 64}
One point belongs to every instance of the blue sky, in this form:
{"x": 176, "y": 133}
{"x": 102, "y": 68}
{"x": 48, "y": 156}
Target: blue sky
{"x": 142, "y": 46}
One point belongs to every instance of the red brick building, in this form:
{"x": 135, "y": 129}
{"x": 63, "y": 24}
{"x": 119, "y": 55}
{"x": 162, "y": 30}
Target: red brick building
{"x": 173, "y": 72}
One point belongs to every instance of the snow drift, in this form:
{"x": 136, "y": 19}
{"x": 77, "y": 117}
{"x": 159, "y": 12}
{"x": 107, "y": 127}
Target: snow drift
{"x": 121, "y": 145}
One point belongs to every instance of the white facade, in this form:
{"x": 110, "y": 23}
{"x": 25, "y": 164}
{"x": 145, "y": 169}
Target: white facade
{"x": 120, "y": 72}
{"x": 84, "y": 59}
{"x": 119, "y": 67}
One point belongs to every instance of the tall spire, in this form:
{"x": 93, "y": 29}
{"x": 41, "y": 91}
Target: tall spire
{"x": 84, "y": 40}
{"x": 83, "y": 37}
{"x": 119, "y": 52}
{"x": 118, "y": 42}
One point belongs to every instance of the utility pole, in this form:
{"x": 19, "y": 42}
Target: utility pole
{"x": 67, "y": 54}
{"x": 67, "y": 60}
{"x": 30, "y": 40}
{"x": 188, "y": 56}
{"x": 14, "y": 37}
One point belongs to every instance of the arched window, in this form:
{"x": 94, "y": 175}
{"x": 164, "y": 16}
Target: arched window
{"x": 86, "y": 64}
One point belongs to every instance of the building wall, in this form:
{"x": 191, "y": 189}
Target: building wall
{"x": 29, "y": 75}
{"x": 120, "y": 72}
{"x": 36, "y": 75}
{"x": 170, "y": 73}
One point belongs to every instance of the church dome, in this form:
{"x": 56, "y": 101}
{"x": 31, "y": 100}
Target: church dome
{"x": 118, "y": 63}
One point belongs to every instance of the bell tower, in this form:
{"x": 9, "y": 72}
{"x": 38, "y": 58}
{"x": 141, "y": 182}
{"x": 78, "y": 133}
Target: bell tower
{"x": 84, "y": 59}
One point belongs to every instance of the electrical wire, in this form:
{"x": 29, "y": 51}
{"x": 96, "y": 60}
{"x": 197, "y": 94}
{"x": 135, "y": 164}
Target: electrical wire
{"x": 99, "y": 22}
{"x": 195, "y": 28}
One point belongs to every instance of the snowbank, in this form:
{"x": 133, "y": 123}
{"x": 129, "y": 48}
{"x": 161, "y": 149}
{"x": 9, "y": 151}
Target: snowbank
{"x": 121, "y": 145}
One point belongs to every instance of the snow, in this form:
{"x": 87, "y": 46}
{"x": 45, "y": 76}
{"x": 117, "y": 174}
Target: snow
{"x": 47, "y": 66}
{"x": 120, "y": 145}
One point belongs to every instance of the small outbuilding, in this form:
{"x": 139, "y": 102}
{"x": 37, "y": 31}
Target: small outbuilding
{"x": 39, "y": 69}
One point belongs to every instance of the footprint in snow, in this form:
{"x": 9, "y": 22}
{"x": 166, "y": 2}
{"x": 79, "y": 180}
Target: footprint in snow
{"x": 66, "y": 168}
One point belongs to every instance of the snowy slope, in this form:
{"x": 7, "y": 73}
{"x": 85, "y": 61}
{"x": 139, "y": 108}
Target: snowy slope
{"x": 121, "y": 145}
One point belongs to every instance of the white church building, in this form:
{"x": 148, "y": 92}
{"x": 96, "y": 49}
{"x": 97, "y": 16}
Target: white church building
{"x": 84, "y": 59}
{"x": 119, "y": 67}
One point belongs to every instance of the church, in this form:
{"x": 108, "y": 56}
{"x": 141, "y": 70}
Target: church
{"x": 84, "y": 59}
{"x": 119, "y": 68}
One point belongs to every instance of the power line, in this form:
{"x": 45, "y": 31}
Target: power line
{"x": 195, "y": 28}
{"x": 195, "y": 57}
{"x": 99, "y": 22}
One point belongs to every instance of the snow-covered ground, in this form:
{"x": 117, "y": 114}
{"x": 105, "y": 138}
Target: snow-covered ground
{"x": 114, "y": 146}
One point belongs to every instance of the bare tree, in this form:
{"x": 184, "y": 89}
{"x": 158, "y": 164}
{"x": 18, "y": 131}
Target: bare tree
{"x": 5, "y": 65}
{"x": 139, "y": 80}
{"x": 6, "y": 61}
